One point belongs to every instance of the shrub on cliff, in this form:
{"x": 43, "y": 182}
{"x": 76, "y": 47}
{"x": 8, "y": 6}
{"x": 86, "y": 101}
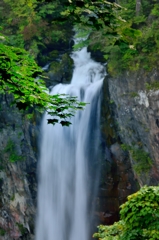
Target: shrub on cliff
{"x": 139, "y": 218}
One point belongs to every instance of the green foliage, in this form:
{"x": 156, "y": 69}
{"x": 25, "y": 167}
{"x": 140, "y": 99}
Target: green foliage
{"x": 12, "y": 197}
{"x": 18, "y": 74}
{"x": 39, "y": 24}
{"x": 22, "y": 229}
{"x": 138, "y": 20}
{"x": 26, "y": 25}
{"x": 11, "y": 150}
{"x": 128, "y": 44}
{"x": 143, "y": 162}
{"x": 34, "y": 25}
{"x": 110, "y": 232}
{"x": 125, "y": 147}
{"x": 146, "y": 45}
{"x": 134, "y": 94}
{"x": 141, "y": 213}
{"x": 152, "y": 86}
{"x": 2, "y": 232}
{"x": 128, "y": 12}
{"x": 136, "y": 44}
{"x": 96, "y": 14}
{"x": 139, "y": 218}
{"x": 155, "y": 10}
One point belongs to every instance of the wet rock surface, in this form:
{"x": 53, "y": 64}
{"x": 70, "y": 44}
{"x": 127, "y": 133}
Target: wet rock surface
{"x": 136, "y": 113}
{"x": 18, "y": 184}
{"x": 59, "y": 71}
{"x": 117, "y": 179}
{"x": 116, "y": 183}
{"x": 130, "y": 116}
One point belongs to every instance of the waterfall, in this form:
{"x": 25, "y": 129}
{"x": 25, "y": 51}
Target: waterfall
{"x": 68, "y": 158}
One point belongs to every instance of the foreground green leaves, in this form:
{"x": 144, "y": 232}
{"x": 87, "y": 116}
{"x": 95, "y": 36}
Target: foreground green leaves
{"x": 18, "y": 76}
{"x": 139, "y": 218}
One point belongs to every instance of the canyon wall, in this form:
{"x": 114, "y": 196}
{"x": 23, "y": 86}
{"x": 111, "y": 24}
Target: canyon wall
{"x": 135, "y": 104}
{"x": 130, "y": 137}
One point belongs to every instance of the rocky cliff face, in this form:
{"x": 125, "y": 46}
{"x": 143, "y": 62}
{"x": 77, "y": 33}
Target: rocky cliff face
{"x": 130, "y": 139}
{"x": 18, "y": 148}
{"x": 136, "y": 116}
{"x": 117, "y": 179}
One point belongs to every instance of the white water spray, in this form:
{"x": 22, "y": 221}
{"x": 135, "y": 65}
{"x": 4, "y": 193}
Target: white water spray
{"x": 67, "y": 155}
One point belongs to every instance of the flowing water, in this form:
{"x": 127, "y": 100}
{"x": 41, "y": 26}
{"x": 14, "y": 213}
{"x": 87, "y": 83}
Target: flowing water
{"x": 68, "y": 159}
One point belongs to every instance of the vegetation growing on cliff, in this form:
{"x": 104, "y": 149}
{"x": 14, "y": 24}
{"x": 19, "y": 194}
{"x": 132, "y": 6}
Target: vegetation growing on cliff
{"x": 139, "y": 218}
{"x": 12, "y": 152}
{"x": 138, "y": 45}
{"x": 142, "y": 160}
{"x": 35, "y": 25}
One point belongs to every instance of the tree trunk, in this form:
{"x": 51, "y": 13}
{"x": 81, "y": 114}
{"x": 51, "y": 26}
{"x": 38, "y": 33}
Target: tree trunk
{"x": 138, "y": 7}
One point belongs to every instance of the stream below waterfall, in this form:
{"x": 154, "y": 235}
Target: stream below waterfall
{"x": 68, "y": 159}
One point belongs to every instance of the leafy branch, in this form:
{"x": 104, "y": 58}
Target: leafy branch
{"x": 18, "y": 76}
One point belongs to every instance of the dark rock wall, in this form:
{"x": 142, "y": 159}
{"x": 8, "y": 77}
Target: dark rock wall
{"x": 117, "y": 179}
{"x": 18, "y": 148}
{"x": 136, "y": 115}
{"x": 59, "y": 70}
{"x": 130, "y": 116}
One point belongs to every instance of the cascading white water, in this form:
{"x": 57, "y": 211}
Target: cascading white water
{"x": 64, "y": 204}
